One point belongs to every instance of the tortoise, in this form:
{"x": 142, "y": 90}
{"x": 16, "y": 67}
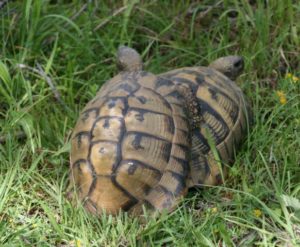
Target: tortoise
{"x": 226, "y": 117}
{"x": 130, "y": 146}
{"x": 142, "y": 141}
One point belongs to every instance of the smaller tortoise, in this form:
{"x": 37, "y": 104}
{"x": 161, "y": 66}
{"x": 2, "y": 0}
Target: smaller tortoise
{"x": 131, "y": 144}
{"x": 226, "y": 117}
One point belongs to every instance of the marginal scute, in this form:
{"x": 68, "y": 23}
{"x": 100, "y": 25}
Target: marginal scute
{"x": 179, "y": 151}
{"x": 107, "y": 196}
{"x": 161, "y": 198}
{"x": 80, "y": 146}
{"x": 182, "y": 138}
{"x": 179, "y": 166}
{"x": 86, "y": 121}
{"x": 83, "y": 175}
{"x": 179, "y": 111}
{"x": 137, "y": 178}
{"x": 173, "y": 182}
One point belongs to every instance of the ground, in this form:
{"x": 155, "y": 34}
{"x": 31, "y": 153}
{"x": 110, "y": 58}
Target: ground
{"x": 55, "y": 55}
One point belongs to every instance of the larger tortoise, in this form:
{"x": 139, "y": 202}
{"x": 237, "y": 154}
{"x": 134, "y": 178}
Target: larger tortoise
{"x": 130, "y": 146}
{"x": 142, "y": 141}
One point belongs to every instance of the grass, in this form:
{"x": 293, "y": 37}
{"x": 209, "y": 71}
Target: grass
{"x": 258, "y": 206}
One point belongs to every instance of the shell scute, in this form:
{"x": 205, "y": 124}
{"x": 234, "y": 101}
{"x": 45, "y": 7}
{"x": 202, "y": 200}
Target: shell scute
{"x": 148, "y": 99}
{"x": 113, "y": 107}
{"x": 151, "y": 123}
{"x": 107, "y": 129}
{"x": 104, "y": 157}
{"x": 147, "y": 149}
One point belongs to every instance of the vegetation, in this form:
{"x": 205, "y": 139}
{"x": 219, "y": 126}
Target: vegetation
{"x": 55, "y": 55}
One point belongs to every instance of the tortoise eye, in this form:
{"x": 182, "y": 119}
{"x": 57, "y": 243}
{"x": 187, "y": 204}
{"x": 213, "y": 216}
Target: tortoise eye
{"x": 238, "y": 64}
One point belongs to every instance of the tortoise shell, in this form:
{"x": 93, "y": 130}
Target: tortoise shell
{"x": 225, "y": 120}
{"x": 130, "y": 146}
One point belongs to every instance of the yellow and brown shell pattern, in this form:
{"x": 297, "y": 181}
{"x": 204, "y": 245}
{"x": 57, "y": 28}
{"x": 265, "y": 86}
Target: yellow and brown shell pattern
{"x": 225, "y": 120}
{"x": 131, "y": 145}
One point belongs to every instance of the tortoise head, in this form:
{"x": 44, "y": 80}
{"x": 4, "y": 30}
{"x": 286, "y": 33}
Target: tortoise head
{"x": 128, "y": 59}
{"x": 231, "y": 66}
